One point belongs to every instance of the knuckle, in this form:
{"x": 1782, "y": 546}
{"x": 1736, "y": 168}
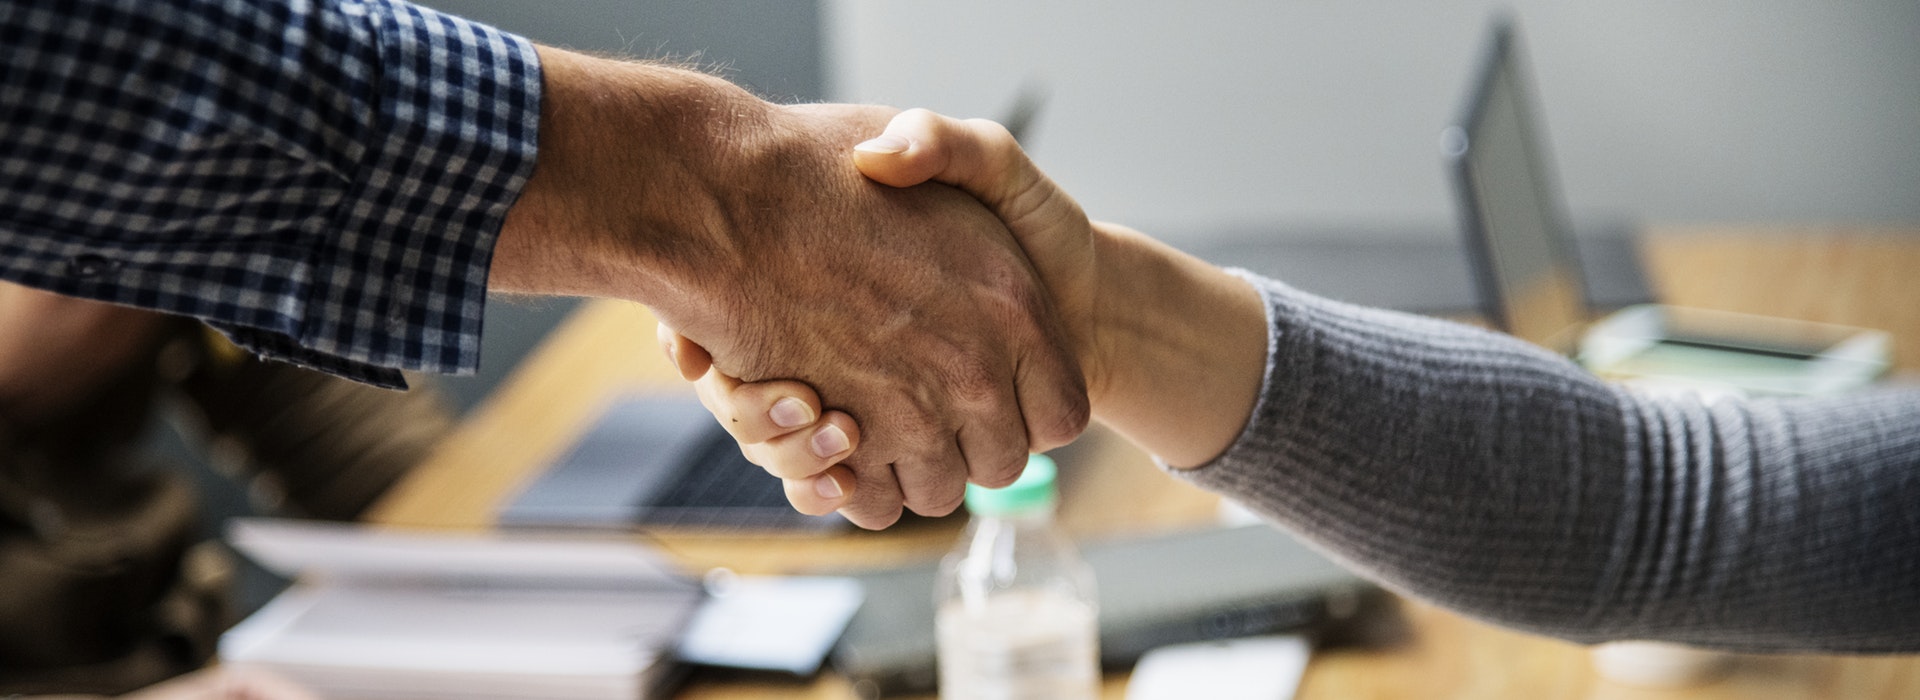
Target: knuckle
{"x": 1000, "y": 471}
{"x": 907, "y": 428}
{"x": 938, "y": 502}
{"x": 749, "y": 423}
{"x": 971, "y": 378}
{"x": 919, "y": 119}
{"x": 1032, "y": 200}
{"x": 1063, "y": 426}
{"x": 798, "y": 459}
{"x": 792, "y": 464}
{"x": 1016, "y": 293}
{"x": 804, "y": 502}
{"x": 805, "y": 507}
{"x": 873, "y": 518}
{"x": 994, "y": 133}
{"x": 744, "y": 430}
{"x": 935, "y": 484}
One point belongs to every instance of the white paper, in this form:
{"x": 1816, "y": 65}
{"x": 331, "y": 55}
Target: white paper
{"x": 1253, "y": 668}
{"x": 771, "y": 623}
{"x": 408, "y": 616}
{"x": 333, "y": 551}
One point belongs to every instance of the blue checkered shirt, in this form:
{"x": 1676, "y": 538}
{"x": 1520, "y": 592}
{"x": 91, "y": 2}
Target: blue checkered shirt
{"x": 322, "y": 180}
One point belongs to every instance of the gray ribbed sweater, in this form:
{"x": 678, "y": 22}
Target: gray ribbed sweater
{"x": 1481, "y": 473}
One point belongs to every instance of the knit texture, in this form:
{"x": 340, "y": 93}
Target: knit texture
{"x": 1486, "y": 475}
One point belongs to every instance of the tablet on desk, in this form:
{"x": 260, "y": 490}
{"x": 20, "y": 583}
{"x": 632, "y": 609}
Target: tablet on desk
{"x": 1154, "y": 591}
{"x": 1716, "y": 350}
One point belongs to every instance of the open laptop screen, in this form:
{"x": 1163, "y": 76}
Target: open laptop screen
{"x": 1522, "y": 251}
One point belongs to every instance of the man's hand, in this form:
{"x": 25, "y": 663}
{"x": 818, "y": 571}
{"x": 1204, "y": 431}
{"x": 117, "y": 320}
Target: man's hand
{"x": 918, "y": 146}
{"x": 746, "y": 227}
{"x": 1173, "y": 347}
{"x": 982, "y": 159}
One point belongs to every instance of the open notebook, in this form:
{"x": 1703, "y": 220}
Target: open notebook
{"x": 388, "y": 614}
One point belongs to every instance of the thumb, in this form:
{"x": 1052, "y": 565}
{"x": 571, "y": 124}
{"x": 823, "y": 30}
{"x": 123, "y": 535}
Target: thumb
{"x": 976, "y": 155}
{"x": 896, "y": 160}
{"x": 688, "y": 357}
{"x": 982, "y": 159}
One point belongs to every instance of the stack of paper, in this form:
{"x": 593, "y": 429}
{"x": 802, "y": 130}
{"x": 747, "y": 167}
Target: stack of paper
{"x": 381, "y": 614}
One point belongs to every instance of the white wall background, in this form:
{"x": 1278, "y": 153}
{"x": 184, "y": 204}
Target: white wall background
{"x": 1196, "y": 117}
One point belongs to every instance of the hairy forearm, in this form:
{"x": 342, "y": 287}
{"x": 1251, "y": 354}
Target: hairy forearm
{"x": 1181, "y": 345}
{"x": 625, "y": 196}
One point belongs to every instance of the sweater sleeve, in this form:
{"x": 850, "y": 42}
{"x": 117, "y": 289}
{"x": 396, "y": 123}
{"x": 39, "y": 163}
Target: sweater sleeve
{"x": 1486, "y": 475}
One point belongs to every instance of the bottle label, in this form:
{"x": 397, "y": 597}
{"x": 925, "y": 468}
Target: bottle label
{"x": 1034, "y": 644}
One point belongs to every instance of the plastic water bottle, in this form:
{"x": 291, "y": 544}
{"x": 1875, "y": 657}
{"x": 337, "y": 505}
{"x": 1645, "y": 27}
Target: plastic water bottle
{"x": 1017, "y": 613}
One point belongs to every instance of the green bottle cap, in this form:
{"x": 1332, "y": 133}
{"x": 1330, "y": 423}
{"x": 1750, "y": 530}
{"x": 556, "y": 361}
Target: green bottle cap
{"x": 1033, "y": 490}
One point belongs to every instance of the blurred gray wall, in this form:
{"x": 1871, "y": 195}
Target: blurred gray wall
{"x": 1188, "y": 119}
{"x": 1206, "y": 122}
{"x": 770, "y": 46}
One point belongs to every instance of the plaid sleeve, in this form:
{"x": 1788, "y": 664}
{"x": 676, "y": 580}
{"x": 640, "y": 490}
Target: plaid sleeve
{"x": 323, "y": 180}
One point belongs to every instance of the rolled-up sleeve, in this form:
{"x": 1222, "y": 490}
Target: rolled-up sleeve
{"x": 323, "y": 181}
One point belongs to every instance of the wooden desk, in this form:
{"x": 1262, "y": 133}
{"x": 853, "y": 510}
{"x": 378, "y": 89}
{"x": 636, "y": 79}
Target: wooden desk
{"x": 1867, "y": 278}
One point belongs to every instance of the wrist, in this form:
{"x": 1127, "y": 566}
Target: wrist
{"x": 1181, "y": 346}
{"x": 626, "y": 196}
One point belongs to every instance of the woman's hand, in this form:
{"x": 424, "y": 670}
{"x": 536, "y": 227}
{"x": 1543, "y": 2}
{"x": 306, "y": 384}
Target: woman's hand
{"x": 779, "y": 425}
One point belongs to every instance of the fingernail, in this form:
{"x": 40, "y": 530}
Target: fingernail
{"x": 829, "y": 441}
{"x": 790, "y": 413}
{"x": 885, "y": 144}
{"x": 828, "y": 488}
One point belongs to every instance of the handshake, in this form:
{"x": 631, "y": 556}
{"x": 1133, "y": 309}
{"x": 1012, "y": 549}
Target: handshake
{"x": 1011, "y": 352}
{"x": 970, "y": 349}
{"x": 880, "y": 306}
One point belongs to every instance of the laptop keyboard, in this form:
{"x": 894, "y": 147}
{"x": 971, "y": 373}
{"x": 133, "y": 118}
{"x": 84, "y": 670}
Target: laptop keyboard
{"x": 722, "y": 490}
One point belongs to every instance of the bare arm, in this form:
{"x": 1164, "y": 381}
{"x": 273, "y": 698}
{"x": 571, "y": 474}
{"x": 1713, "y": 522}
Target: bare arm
{"x": 1184, "y": 344}
{"x": 746, "y": 226}
{"x": 340, "y": 184}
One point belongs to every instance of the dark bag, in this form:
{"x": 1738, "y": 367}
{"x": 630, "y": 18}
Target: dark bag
{"x": 98, "y": 591}
{"x": 105, "y": 586}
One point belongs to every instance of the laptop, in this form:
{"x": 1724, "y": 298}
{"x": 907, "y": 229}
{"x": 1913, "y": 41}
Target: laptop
{"x": 658, "y": 462}
{"x": 1529, "y": 277}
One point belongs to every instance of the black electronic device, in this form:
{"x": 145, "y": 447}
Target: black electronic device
{"x": 1521, "y": 247}
{"x": 1529, "y": 273}
{"x": 1153, "y": 591}
{"x": 658, "y": 462}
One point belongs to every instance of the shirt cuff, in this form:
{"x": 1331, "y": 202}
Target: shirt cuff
{"x": 403, "y": 285}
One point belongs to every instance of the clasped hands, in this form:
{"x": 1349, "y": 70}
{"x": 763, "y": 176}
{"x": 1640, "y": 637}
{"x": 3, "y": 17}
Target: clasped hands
{"x": 782, "y": 424}
{"x": 885, "y": 319}
{"x": 910, "y": 356}
{"x": 818, "y": 451}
